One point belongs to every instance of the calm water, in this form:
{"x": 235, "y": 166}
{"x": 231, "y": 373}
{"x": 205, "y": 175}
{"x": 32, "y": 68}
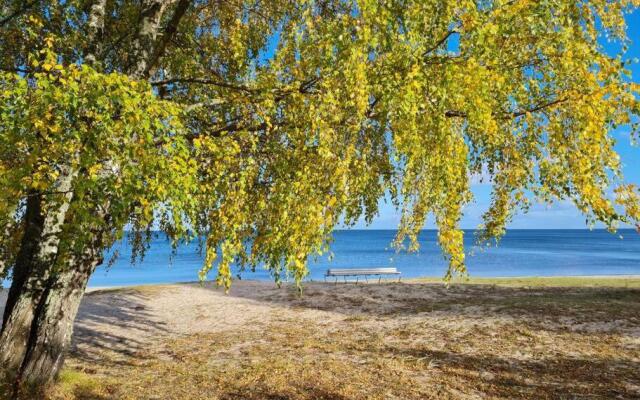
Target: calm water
{"x": 520, "y": 253}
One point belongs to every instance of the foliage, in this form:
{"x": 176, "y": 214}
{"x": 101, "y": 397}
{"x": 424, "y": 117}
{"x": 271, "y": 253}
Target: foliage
{"x": 270, "y": 123}
{"x": 124, "y": 143}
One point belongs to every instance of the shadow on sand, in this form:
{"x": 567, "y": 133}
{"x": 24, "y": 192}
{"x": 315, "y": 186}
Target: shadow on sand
{"x": 129, "y": 327}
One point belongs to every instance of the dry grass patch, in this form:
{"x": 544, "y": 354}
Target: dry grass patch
{"x": 544, "y": 281}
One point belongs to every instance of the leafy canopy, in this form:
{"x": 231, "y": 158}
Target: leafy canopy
{"x": 124, "y": 141}
{"x": 263, "y": 125}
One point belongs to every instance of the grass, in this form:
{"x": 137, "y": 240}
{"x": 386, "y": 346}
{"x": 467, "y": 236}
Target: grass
{"x": 558, "y": 338}
{"x": 74, "y": 384}
{"x": 555, "y": 281}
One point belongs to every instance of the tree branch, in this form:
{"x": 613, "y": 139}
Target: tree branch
{"x": 509, "y": 115}
{"x": 201, "y": 81}
{"x": 210, "y": 103}
{"x": 281, "y": 94}
{"x": 439, "y": 42}
{"x": 538, "y": 107}
{"x": 167, "y": 35}
{"x": 234, "y": 127}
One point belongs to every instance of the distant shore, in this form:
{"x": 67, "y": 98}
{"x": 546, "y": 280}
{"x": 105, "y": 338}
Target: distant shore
{"x": 568, "y": 280}
{"x": 630, "y": 281}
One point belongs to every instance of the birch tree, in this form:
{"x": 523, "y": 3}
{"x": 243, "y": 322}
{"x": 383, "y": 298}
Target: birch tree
{"x": 257, "y": 127}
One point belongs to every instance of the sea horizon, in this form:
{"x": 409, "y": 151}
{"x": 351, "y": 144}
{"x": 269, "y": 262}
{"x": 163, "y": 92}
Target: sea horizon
{"x": 520, "y": 253}
{"x": 538, "y": 252}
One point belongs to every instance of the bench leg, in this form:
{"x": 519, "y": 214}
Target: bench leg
{"x": 366, "y": 278}
{"x": 379, "y": 279}
{"x": 357, "y": 280}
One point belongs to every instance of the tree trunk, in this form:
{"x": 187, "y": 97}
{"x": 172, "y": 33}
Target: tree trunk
{"x": 95, "y": 31}
{"x": 145, "y": 39}
{"x": 32, "y": 270}
{"x": 53, "y": 323}
{"x": 35, "y": 359}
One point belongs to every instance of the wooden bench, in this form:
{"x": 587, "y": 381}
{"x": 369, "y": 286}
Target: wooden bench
{"x": 344, "y": 272}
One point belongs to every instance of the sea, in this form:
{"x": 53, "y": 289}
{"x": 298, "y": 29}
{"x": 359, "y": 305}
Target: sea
{"x": 519, "y": 253}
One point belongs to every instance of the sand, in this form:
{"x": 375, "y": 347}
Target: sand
{"x": 390, "y": 340}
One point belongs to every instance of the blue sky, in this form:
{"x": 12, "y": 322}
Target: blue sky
{"x": 561, "y": 214}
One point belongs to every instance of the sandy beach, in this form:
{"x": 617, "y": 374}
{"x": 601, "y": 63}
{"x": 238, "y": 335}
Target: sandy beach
{"x": 393, "y": 340}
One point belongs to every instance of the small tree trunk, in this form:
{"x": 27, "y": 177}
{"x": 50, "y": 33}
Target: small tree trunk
{"x": 8, "y": 242}
{"x": 33, "y": 229}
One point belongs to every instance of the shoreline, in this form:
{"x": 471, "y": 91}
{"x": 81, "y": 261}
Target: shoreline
{"x": 474, "y": 280}
{"x": 425, "y": 279}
